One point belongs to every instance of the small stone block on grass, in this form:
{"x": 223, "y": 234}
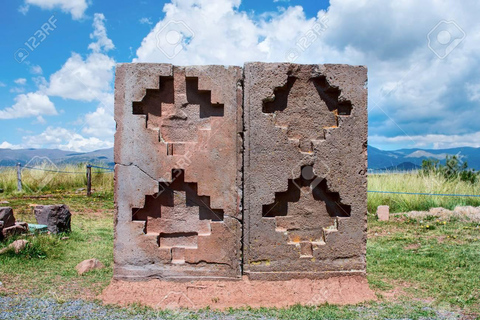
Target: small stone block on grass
{"x": 6, "y": 216}
{"x": 17, "y": 229}
{"x": 383, "y": 213}
{"x": 88, "y": 265}
{"x": 56, "y": 217}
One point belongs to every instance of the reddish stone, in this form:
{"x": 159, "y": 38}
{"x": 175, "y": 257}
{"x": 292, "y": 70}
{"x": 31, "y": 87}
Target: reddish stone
{"x": 88, "y": 265}
{"x": 179, "y": 175}
{"x": 383, "y": 213}
{"x": 17, "y": 229}
{"x": 178, "y": 171}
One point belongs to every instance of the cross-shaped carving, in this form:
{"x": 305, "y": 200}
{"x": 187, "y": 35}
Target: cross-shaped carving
{"x": 177, "y": 215}
{"x": 306, "y": 115}
{"x": 306, "y": 211}
{"x": 177, "y": 109}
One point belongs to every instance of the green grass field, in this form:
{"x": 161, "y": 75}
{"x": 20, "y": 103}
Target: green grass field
{"x": 420, "y": 269}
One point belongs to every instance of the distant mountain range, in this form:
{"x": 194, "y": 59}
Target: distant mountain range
{"x": 403, "y": 159}
{"x": 10, "y": 157}
{"x": 410, "y": 159}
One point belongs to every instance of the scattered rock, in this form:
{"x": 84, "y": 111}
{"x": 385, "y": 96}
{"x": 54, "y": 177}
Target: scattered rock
{"x": 467, "y": 213}
{"x": 6, "y": 215}
{"x": 56, "y": 217}
{"x": 88, "y": 265}
{"x": 4, "y": 202}
{"x": 81, "y": 189}
{"x": 17, "y": 245}
{"x": 15, "y": 230}
{"x": 383, "y": 213}
{"x": 1, "y": 284}
{"x": 64, "y": 238}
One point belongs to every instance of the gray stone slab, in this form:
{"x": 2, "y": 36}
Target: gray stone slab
{"x": 305, "y": 170}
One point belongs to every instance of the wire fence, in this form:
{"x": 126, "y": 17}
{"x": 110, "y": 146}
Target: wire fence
{"x": 111, "y": 169}
{"x": 19, "y": 168}
{"x": 427, "y": 194}
{"x": 60, "y": 171}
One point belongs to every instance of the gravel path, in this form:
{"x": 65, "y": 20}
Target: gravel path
{"x": 34, "y": 308}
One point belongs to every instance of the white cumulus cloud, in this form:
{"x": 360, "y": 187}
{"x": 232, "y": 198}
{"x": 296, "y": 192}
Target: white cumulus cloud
{"x": 6, "y": 145}
{"x": 64, "y": 139}
{"x": 102, "y": 42}
{"x": 28, "y": 105}
{"x": 411, "y": 91}
{"x": 20, "y": 81}
{"x": 81, "y": 79}
{"x": 100, "y": 123}
{"x": 86, "y": 79}
{"x": 75, "y": 7}
{"x": 36, "y": 69}
{"x": 434, "y": 141}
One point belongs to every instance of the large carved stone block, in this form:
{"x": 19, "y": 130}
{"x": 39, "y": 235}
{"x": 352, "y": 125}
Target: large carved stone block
{"x": 305, "y": 170}
{"x": 188, "y": 204}
{"x": 178, "y": 171}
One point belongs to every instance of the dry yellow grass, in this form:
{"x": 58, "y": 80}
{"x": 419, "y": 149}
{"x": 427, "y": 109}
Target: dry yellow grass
{"x": 416, "y": 183}
{"x": 59, "y": 179}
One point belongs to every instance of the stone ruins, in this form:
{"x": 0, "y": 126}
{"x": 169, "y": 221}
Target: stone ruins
{"x": 227, "y": 171}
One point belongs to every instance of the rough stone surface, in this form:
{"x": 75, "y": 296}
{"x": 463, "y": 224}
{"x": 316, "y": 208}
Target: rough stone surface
{"x": 88, "y": 265}
{"x": 17, "y": 229}
{"x": 17, "y": 246}
{"x": 178, "y": 171}
{"x": 6, "y": 216}
{"x": 56, "y": 217}
{"x": 305, "y": 170}
{"x": 180, "y": 174}
{"x": 383, "y": 213}
{"x": 468, "y": 213}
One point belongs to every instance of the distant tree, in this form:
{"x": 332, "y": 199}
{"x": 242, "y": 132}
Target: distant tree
{"x": 453, "y": 169}
{"x": 430, "y": 166}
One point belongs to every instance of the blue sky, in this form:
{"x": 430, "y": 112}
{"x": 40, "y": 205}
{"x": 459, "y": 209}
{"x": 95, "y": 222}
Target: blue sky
{"x": 58, "y": 57}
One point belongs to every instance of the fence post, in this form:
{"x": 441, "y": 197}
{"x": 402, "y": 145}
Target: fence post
{"x": 19, "y": 177}
{"x": 89, "y": 180}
